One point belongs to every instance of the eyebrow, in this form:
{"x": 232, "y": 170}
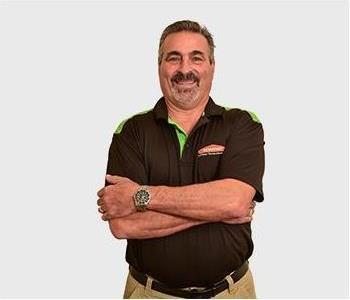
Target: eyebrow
{"x": 173, "y": 53}
{"x": 196, "y": 52}
{"x": 177, "y": 53}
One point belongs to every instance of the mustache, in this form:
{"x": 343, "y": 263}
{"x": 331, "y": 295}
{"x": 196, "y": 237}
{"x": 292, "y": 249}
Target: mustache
{"x": 179, "y": 76}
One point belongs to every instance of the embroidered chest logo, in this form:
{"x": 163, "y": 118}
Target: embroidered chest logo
{"x": 212, "y": 149}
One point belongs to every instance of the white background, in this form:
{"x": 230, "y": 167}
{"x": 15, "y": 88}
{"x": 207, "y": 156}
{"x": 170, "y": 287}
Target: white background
{"x": 71, "y": 71}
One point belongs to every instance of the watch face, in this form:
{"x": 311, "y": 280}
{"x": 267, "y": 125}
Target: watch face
{"x": 142, "y": 197}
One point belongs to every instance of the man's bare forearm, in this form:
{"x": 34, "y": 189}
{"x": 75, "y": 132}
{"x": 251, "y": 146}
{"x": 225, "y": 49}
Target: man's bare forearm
{"x": 212, "y": 201}
{"x": 215, "y": 201}
{"x": 149, "y": 224}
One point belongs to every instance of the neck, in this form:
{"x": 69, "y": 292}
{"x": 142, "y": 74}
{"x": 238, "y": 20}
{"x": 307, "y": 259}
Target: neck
{"x": 186, "y": 118}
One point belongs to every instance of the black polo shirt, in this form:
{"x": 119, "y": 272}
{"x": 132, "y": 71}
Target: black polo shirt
{"x": 224, "y": 143}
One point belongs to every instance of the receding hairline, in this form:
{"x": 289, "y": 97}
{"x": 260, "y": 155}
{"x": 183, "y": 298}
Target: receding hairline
{"x": 161, "y": 49}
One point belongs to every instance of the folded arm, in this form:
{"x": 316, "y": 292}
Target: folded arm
{"x": 212, "y": 201}
{"x": 173, "y": 209}
{"x": 152, "y": 224}
{"x": 149, "y": 224}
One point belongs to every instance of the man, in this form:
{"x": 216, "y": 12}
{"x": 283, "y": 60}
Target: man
{"x": 183, "y": 179}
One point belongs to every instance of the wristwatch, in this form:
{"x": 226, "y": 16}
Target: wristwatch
{"x": 142, "y": 198}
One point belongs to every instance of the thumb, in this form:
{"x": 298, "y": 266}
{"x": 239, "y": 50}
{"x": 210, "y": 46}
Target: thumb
{"x": 112, "y": 178}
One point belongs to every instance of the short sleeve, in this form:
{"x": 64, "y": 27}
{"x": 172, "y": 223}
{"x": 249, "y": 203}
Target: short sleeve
{"x": 244, "y": 158}
{"x": 125, "y": 155}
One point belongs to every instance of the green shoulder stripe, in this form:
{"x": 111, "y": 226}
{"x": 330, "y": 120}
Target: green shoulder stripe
{"x": 121, "y": 125}
{"x": 252, "y": 115}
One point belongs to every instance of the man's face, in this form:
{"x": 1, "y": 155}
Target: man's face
{"x": 185, "y": 72}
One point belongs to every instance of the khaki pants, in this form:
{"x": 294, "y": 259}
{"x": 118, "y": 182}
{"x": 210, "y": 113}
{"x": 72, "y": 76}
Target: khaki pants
{"x": 243, "y": 288}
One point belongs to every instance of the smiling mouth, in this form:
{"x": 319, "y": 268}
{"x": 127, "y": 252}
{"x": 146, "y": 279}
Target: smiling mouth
{"x": 185, "y": 82}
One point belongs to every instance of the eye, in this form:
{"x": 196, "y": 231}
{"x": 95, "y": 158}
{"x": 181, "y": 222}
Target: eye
{"x": 197, "y": 59}
{"x": 173, "y": 59}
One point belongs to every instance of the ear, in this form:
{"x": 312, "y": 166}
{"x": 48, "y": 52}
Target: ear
{"x": 213, "y": 65}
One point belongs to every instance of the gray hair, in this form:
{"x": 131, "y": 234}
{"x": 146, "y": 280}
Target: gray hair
{"x": 191, "y": 26}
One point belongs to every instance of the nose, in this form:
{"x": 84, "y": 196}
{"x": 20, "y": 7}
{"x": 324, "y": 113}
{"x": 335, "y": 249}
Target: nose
{"x": 185, "y": 65}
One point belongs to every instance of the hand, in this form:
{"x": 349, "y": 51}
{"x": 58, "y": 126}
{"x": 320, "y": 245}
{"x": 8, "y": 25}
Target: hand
{"x": 244, "y": 219}
{"x": 116, "y": 200}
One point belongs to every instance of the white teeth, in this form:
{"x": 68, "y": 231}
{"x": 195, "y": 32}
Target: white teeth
{"x": 186, "y": 82}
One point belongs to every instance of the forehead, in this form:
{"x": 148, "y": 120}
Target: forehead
{"x": 185, "y": 42}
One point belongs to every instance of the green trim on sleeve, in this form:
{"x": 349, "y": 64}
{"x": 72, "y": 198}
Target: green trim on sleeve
{"x": 254, "y": 117}
{"x": 252, "y": 114}
{"x": 121, "y": 125}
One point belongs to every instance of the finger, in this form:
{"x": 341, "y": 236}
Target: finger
{"x": 106, "y": 217}
{"x": 239, "y": 220}
{"x": 244, "y": 220}
{"x": 101, "y": 192}
{"x": 101, "y": 210}
{"x": 113, "y": 178}
{"x": 100, "y": 202}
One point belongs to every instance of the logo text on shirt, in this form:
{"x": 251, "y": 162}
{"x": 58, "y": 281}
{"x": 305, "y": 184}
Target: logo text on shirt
{"x": 212, "y": 149}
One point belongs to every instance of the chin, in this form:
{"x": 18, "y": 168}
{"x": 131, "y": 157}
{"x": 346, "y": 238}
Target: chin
{"x": 186, "y": 101}
{"x": 186, "y": 98}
